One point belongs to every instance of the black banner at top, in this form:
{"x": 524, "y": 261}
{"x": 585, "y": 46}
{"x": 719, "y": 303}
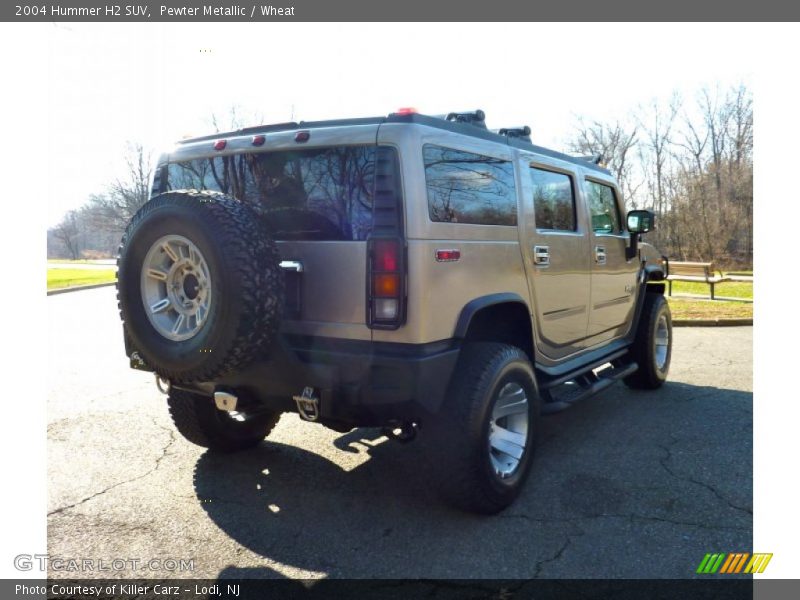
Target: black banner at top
{"x": 407, "y": 10}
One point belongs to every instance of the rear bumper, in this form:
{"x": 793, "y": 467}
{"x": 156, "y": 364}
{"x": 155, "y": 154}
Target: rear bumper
{"x": 359, "y": 383}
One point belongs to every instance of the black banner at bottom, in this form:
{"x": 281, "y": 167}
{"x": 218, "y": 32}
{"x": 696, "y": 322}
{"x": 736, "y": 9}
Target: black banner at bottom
{"x": 718, "y": 588}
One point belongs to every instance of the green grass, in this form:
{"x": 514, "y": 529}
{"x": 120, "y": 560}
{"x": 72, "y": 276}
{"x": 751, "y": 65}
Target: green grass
{"x": 692, "y": 309}
{"x": 62, "y": 278}
{"x": 67, "y": 260}
{"x": 729, "y": 289}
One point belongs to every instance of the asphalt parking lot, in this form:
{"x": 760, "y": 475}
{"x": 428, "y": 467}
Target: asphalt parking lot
{"x": 626, "y": 484}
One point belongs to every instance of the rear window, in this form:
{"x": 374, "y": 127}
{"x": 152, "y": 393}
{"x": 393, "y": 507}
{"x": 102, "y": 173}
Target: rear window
{"x": 315, "y": 194}
{"x": 469, "y": 188}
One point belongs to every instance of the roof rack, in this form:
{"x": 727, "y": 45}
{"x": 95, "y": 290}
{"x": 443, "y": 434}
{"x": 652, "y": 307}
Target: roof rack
{"x": 522, "y": 133}
{"x": 476, "y": 118}
{"x": 595, "y": 159}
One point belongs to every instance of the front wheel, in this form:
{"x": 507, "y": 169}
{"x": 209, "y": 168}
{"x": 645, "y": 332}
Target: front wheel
{"x": 652, "y": 348}
{"x": 484, "y": 436}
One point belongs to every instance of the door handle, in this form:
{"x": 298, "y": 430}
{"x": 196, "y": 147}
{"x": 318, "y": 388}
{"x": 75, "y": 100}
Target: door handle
{"x": 541, "y": 255}
{"x": 291, "y": 265}
{"x": 600, "y": 255}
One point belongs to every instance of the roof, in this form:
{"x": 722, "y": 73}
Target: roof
{"x": 437, "y": 122}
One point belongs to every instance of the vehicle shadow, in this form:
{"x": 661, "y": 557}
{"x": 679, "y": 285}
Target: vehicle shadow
{"x": 299, "y": 508}
{"x": 623, "y": 453}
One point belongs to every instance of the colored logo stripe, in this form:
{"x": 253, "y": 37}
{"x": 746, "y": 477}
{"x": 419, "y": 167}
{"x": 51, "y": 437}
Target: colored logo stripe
{"x": 733, "y": 562}
{"x": 758, "y": 563}
{"x": 710, "y": 563}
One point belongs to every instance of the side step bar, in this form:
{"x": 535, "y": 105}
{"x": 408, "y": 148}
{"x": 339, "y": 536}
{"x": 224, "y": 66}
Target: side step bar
{"x": 588, "y": 384}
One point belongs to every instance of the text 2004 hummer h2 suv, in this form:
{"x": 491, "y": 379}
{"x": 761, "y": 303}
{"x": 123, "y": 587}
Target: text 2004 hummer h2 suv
{"x": 407, "y": 272}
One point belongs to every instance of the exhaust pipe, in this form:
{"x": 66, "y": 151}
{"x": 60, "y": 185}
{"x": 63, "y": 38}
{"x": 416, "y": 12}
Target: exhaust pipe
{"x": 401, "y": 432}
{"x": 225, "y": 401}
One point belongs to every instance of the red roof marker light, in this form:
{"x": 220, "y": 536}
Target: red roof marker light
{"x": 220, "y": 144}
{"x": 258, "y": 140}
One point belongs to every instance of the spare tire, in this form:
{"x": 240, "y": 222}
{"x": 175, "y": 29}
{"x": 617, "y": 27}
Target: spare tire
{"x": 199, "y": 285}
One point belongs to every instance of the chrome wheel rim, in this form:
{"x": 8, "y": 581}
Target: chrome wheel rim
{"x": 662, "y": 342}
{"x": 176, "y": 288}
{"x": 508, "y": 430}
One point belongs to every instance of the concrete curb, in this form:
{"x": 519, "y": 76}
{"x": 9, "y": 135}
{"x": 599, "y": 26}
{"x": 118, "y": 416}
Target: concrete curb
{"x": 712, "y": 322}
{"x": 77, "y": 288}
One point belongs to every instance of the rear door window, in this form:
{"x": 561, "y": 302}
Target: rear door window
{"x": 553, "y": 200}
{"x": 315, "y": 194}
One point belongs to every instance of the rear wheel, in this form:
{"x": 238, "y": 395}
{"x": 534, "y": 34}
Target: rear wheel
{"x": 485, "y": 435}
{"x": 200, "y": 422}
{"x": 652, "y": 348}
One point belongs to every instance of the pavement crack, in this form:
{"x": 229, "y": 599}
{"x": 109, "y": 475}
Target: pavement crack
{"x": 630, "y": 517}
{"x": 540, "y": 564}
{"x": 663, "y": 461}
{"x": 156, "y": 465}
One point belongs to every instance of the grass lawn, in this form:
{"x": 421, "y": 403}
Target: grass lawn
{"x": 729, "y": 289}
{"x": 61, "y": 278}
{"x": 691, "y": 308}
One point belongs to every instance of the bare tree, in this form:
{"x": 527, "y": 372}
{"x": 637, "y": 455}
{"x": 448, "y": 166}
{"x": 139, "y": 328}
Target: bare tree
{"x": 615, "y": 144}
{"x": 690, "y": 162}
{"x": 112, "y": 209}
{"x": 67, "y": 232}
{"x": 712, "y": 153}
{"x": 236, "y": 117}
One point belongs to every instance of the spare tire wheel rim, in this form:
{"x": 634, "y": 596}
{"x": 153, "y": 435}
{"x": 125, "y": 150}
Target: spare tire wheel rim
{"x": 176, "y": 288}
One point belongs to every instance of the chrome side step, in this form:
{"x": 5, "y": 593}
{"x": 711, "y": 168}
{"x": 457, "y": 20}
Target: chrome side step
{"x": 587, "y": 385}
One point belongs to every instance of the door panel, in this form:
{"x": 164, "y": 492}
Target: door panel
{"x": 556, "y": 252}
{"x": 613, "y": 279}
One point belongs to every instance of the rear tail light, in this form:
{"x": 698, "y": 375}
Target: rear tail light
{"x": 386, "y": 283}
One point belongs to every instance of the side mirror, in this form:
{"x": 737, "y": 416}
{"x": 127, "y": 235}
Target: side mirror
{"x": 641, "y": 221}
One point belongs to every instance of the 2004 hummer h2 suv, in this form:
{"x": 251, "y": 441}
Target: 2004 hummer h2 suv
{"x": 408, "y": 272}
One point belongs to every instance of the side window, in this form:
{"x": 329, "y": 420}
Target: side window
{"x": 603, "y": 208}
{"x": 469, "y": 188}
{"x": 553, "y": 200}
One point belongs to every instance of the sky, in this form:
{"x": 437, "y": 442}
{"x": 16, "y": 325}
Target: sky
{"x": 156, "y": 83}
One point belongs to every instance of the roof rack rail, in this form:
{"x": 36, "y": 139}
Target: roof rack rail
{"x": 595, "y": 159}
{"x": 476, "y": 118}
{"x": 522, "y": 133}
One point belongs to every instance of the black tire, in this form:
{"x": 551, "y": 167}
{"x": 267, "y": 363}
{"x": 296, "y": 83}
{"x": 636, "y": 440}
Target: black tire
{"x": 650, "y": 374}
{"x": 246, "y": 285}
{"x": 460, "y": 434}
{"x": 200, "y": 422}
